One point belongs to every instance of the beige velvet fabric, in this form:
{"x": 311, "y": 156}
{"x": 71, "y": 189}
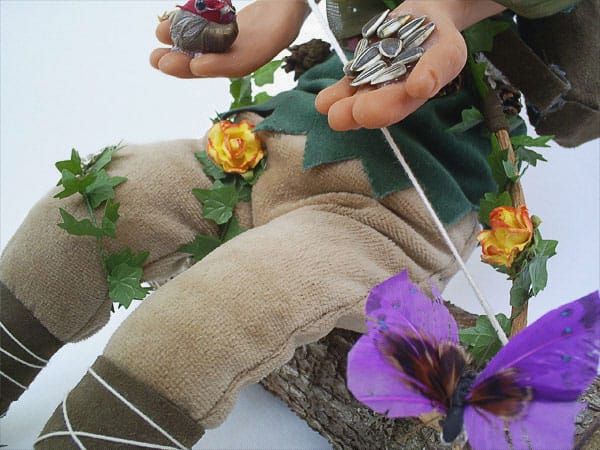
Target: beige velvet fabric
{"x": 320, "y": 242}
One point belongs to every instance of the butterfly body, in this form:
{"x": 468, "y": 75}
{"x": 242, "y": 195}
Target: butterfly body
{"x": 452, "y": 426}
{"x": 410, "y": 362}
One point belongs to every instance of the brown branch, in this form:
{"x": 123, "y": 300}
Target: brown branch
{"x": 497, "y": 123}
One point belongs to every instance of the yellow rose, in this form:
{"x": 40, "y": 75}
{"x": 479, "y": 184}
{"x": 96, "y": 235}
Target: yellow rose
{"x": 234, "y": 147}
{"x": 511, "y": 231}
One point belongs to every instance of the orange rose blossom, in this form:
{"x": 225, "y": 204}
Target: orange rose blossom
{"x": 234, "y": 147}
{"x": 511, "y": 231}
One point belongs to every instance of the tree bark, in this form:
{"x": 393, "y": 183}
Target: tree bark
{"x": 313, "y": 384}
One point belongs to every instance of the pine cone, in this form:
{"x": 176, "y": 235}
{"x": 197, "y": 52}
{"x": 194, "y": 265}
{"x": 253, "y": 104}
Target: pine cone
{"x": 510, "y": 97}
{"x": 305, "y": 56}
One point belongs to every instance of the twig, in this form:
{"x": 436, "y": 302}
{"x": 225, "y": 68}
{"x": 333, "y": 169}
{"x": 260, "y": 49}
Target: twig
{"x": 497, "y": 123}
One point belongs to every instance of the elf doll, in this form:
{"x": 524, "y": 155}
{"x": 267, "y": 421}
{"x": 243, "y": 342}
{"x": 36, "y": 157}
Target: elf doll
{"x": 319, "y": 237}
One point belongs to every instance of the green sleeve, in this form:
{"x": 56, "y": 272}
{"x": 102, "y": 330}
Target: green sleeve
{"x": 534, "y": 9}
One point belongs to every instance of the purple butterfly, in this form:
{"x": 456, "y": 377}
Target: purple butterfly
{"x": 410, "y": 363}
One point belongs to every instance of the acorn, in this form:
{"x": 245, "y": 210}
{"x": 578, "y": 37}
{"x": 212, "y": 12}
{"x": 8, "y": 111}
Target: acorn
{"x": 204, "y": 26}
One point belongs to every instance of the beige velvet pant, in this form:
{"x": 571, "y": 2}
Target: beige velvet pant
{"x": 319, "y": 242}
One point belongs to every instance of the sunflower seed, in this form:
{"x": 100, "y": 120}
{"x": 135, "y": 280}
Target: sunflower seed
{"x": 390, "y": 26}
{"x": 370, "y": 28}
{"x": 409, "y": 56}
{"x": 367, "y": 75}
{"x": 390, "y": 47}
{"x": 368, "y": 57}
{"x": 410, "y": 27}
{"x": 348, "y": 71}
{"x": 361, "y": 47}
{"x": 389, "y": 73}
{"x": 418, "y": 36}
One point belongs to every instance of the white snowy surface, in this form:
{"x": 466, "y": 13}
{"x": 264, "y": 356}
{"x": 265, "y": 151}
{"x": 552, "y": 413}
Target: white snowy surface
{"x": 76, "y": 74}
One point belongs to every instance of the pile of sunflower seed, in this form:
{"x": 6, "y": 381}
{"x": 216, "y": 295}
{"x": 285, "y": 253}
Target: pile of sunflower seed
{"x": 387, "y": 46}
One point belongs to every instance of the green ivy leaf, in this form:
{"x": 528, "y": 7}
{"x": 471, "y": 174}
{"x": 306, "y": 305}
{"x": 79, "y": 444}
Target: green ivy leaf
{"x": 496, "y": 161}
{"x": 72, "y": 165}
{"x": 528, "y": 156}
{"x": 479, "y": 77}
{"x": 482, "y": 340}
{"x": 538, "y": 274}
{"x": 510, "y": 171}
{"x": 528, "y": 141}
{"x": 124, "y": 284}
{"x": 244, "y": 191}
{"x": 201, "y": 246}
{"x": 232, "y": 230}
{"x": 125, "y": 256}
{"x": 490, "y": 202}
{"x": 257, "y": 172}
{"x": 217, "y": 203}
{"x": 470, "y": 118}
{"x": 241, "y": 91}
{"x": 102, "y": 188}
{"x": 109, "y": 220}
{"x": 520, "y": 291}
{"x": 74, "y": 184}
{"x": 480, "y": 36}
{"x": 100, "y": 160}
{"x": 209, "y": 168}
{"x": 261, "y": 97}
{"x": 76, "y": 227}
{"x": 546, "y": 247}
{"x": 265, "y": 74}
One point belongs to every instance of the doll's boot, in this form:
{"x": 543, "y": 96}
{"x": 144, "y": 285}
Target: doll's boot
{"x": 53, "y": 286}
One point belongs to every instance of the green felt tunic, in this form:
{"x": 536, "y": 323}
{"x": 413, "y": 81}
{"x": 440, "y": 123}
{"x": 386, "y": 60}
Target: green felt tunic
{"x": 451, "y": 167}
{"x": 346, "y": 17}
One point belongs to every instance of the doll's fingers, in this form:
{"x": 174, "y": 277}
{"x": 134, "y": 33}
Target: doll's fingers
{"x": 157, "y": 55}
{"x": 232, "y": 64}
{"x": 176, "y": 64}
{"x": 440, "y": 64}
{"x": 332, "y": 94}
{"x": 163, "y": 32}
{"x": 339, "y": 115}
{"x": 385, "y": 106}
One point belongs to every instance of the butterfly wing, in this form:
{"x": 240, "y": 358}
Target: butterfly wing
{"x": 399, "y": 299}
{"x": 388, "y": 368}
{"x": 540, "y": 373}
{"x": 381, "y": 386}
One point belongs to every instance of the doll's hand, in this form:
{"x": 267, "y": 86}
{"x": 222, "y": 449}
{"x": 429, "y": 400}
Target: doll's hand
{"x": 349, "y": 108}
{"x": 265, "y": 28}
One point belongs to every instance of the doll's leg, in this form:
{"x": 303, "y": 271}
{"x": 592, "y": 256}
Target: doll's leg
{"x": 52, "y": 284}
{"x": 238, "y": 314}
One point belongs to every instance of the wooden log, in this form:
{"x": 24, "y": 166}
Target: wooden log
{"x": 313, "y": 384}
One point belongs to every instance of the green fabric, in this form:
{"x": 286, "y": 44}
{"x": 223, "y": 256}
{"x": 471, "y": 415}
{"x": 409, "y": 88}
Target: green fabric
{"x": 346, "y": 17}
{"x": 533, "y": 9}
{"x": 452, "y": 167}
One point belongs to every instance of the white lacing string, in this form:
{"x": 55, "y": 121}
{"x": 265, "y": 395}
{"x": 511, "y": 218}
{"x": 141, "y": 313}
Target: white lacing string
{"x": 74, "y": 434}
{"x": 13, "y": 381}
{"x": 35, "y": 366}
{"x": 102, "y": 437}
{"x": 69, "y": 426}
{"x": 388, "y": 137}
{"x": 40, "y": 359}
{"x": 20, "y": 344}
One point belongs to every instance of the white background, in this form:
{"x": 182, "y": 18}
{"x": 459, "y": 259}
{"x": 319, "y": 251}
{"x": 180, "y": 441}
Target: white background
{"x": 76, "y": 74}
